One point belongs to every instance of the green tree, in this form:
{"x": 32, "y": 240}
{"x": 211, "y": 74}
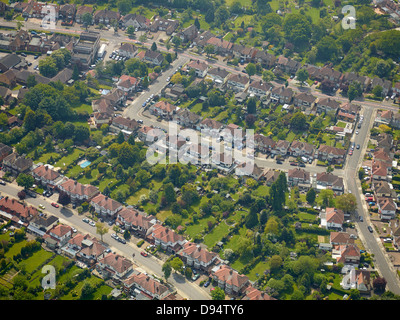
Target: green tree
{"x": 130, "y": 30}
{"x": 176, "y": 41}
{"x": 25, "y": 180}
{"x": 197, "y": 23}
{"x": 124, "y": 6}
{"x": 297, "y": 29}
{"x": 177, "y": 264}
{"x": 218, "y": 294}
{"x": 302, "y": 75}
{"x": 153, "y": 47}
{"x": 346, "y": 202}
{"x": 169, "y": 193}
{"x": 275, "y": 263}
{"x": 251, "y": 220}
{"x": 31, "y": 81}
{"x": 326, "y": 195}
{"x": 251, "y": 69}
{"x": 311, "y": 196}
{"x": 268, "y": 75}
{"x": 209, "y": 49}
{"x": 167, "y": 269}
{"x": 299, "y": 122}
{"x": 87, "y": 19}
{"x": 101, "y": 229}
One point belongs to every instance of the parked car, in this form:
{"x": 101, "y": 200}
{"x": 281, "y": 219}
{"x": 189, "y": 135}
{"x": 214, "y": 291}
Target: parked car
{"x": 42, "y": 206}
{"x": 55, "y": 205}
{"x": 302, "y": 165}
{"x": 92, "y": 223}
{"x": 144, "y": 254}
{"x": 370, "y": 229}
{"x": 2, "y": 182}
{"x": 361, "y": 218}
{"x": 279, "y": 162}
{"x": 122, "y": 240}
{"x": 358, "y": 146}
{"x": 86, "y": 220}
{"x": 195, "y": 277}
{"x": 207, "y": 283}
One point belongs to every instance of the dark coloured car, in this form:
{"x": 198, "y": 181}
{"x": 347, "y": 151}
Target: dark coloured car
{"x": 370, "y": 229}
{"x": 279, "y": 162}
{"x": 361, "y": 218}
{"x": 207, "y": 283}
{"x": 302, "y": 165}
{"x": 293, "y": 164}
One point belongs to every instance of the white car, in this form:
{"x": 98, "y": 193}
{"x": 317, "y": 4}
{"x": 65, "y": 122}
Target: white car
{"x": 92, "y": 223}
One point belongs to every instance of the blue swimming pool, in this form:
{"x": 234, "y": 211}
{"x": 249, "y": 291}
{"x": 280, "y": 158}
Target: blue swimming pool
{"x": 85, "y": 164}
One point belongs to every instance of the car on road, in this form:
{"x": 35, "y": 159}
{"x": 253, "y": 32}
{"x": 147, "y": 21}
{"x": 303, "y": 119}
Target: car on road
{"x": 302, "y": 165}
{"x": 358, "y": 146}
{"x": 361, "y": 218}
{"x": 42, "y": 206}
{"x": 293, "y": 164}
{"x": 122, "y": 240}
{"x": 3, "y": 183}
{"x": 279, "y": 162}
{"x": 86, "y": 220}
{"x": 114, "y": 236}
{"x": 55, "y": 205}
{"x": 357, "y": 132}
{"x": 350, "y": 152}
{"x": 144, "y": 254}
{"x": 32, "y": 194}
{"x": 207, "y": 283}
{"x": 370, "y": 229}
{"x": 92, "y": 223}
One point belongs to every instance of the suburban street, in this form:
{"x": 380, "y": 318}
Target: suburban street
{"x": 150, "y": 264}
{"x": 136, "y": 111}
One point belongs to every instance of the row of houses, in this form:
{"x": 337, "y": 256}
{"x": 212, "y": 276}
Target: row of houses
{"x": 87, "y": 250}
{"x": 304, "y": 100}
{"x": 284, "y": 65}
{"x": 380, "y": 169}
{"x": 147, "y": 227}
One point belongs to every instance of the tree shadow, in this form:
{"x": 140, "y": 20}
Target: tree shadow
{"x": 66, "y": 212}
{"x": 178, "y": 277}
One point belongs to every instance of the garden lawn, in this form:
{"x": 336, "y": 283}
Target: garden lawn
{"x": 216, "y": 234}
{"x": 36, "y": 260}
{"x": 68, "y": 159}
{"x": 15, "y": 249}
{"x": 196, "y": 228}
{"x": 259, "y": 269}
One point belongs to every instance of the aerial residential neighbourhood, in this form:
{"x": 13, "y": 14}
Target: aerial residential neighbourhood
{"x": 199, "y": 150}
